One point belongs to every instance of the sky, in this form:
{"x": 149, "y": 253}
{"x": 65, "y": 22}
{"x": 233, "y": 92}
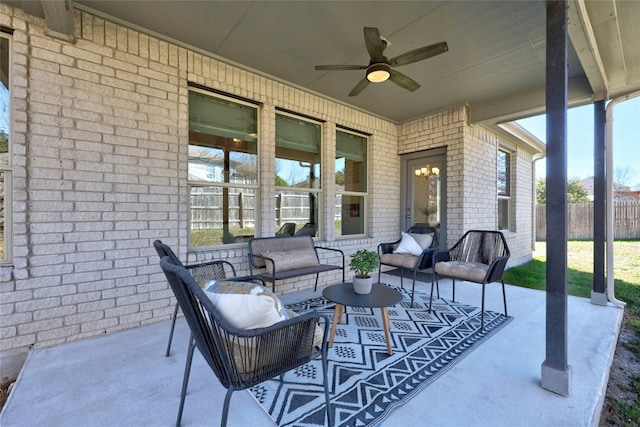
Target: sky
{"x": 626, "y": 141}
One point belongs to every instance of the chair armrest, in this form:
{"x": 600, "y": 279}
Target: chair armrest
{"x": 330, "y": 249}
{"x": 266, "y": 259}
{"x": 334, "y": 250}
{"x": 427, "y": 258}
{"x": 278, "y": 326}
{"x": 205, "y": 271}
{"x": 441, "y": 256}
{"x": 255, "y": 279}
{"x": 496, "y": 269}
{"x": 386, "y": 248}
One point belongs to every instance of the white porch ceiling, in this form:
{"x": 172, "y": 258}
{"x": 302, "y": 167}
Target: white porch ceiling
{"x": 495, "y": 63}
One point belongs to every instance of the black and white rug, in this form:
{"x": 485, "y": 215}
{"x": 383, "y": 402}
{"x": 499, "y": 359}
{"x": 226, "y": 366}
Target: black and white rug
{"x": 365, "y": 382}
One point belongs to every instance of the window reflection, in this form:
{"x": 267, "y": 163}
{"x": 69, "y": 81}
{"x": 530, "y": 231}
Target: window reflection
{"x": 298, "y": 169}
{"x": 223, "y": 170}
{"x": 351, "y": 183}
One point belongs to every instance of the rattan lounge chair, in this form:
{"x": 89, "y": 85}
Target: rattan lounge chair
{"x": 404, "y": 261}
{"x": 242, "y": 358}
{"x": 480, "y": 257}
{"x": 202, "y": 273}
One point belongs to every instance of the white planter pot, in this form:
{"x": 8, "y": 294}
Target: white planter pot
{"x": 362, "y": 286}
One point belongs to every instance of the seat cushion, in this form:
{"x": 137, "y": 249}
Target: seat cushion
{"x": 246, "y": 305}
{"x": 400, "y": 260}
{"x": 408, "y": 245}
{"x": 291, "y": 260}
{"x": 473, "y": 271}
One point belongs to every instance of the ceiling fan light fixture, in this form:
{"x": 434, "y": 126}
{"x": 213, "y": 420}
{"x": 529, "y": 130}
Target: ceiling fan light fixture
{"x": 378, "y": 73}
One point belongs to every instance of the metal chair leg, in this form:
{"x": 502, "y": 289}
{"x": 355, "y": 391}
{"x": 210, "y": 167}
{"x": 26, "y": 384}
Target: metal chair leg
{"x": 504, "y": 298}
{"x": 326, "y": 384}
{"x": 413, "y": 287}
{"x": 316, "y": 286}
{"x": 225, "y": 410}
{"x": 173, "y": 326}
{"x": 482, "y": 310}
{"x": 435, "y": 276}
{"x": 185, "y": 378}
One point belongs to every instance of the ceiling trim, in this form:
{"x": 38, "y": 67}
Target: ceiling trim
{"x": 516, "y": 133}
{"x": 530, "y": 102}
{"x": 584, "y": 42}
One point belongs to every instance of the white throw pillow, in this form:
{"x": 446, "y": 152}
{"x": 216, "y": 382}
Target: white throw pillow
{"x": 408, "y": 246}
{"x": 246, "y": 305}
{"x": 424, "y": 240}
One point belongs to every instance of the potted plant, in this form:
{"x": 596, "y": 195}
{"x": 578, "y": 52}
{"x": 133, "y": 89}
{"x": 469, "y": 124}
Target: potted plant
{"x": 363, "y": 262}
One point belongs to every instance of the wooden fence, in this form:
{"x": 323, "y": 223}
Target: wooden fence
{"x": 626, "y": 220}
{"x": 207, "y": 208}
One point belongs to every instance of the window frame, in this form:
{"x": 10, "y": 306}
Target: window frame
{"x": 6, "y": 168}
{"x": 224, "y": 185}
{"x": 317, "y": 191}
{"x": 506, "y": 196}
{"x": 363, "y": 194}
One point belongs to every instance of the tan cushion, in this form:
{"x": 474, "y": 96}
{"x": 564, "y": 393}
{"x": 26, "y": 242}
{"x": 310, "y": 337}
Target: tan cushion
{"x": 400, "y": 260}
{"x": 408, "y": 245}
{"x": 473, "y": 271}
{"x": 424, "y": 240}
{"x": 291, "y": 260}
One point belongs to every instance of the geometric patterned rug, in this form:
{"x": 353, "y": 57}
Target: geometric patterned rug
{"x": 365, "y": 383}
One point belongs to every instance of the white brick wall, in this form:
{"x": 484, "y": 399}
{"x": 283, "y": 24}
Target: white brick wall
{"x": 472, "y": 178}
{"x": 100, "y": 134}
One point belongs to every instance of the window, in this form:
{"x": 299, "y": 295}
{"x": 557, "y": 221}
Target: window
{"x": 504, "y": 190}
{"x": 5, "y": 158}
{"x": 223, "y": 170}
{"x": 298, "y": 144}
{"x": 351, "y": 182}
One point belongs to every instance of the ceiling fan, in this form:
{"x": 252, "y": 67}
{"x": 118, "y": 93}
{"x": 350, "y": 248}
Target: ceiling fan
{"x": 380, "y": 68}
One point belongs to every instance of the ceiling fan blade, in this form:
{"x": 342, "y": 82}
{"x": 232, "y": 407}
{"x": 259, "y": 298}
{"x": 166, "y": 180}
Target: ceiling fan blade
{"x": 419, "y": 54}
{"x": 341, "y": 67}
{"x": 374, "y": 43}
{"x": 359, "y": 87}
{"x": 403, "y": 81}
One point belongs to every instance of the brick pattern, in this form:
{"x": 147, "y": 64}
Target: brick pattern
{"x": 472, "y": 178}
{"x": 100, "y": 135}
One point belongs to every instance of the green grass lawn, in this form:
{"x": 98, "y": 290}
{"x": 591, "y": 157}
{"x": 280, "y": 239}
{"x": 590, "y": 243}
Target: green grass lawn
{"x": 626, "y": 271}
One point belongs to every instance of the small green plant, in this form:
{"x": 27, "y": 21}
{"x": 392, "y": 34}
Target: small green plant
{"x": 364, "y": 262}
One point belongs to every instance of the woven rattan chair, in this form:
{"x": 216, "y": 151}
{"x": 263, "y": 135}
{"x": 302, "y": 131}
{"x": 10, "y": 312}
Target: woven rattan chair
{"x": 480, "y": 257}
{"x": 202, "y": 273}
{"x": 287, "y": 229}
{"x": 410, "y": 262}
{"x": 307, "y": 230}
{"x": 242, "y": 358}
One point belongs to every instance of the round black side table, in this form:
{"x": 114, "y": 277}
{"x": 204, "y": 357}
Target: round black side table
{"x": 343, "y": 295}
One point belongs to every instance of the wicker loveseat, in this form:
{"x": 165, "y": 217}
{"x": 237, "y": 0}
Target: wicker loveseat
{"x": 279, "y": 258}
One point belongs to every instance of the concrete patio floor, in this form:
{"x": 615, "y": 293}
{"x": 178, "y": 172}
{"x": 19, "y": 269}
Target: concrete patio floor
{"x": 123, "y": 379}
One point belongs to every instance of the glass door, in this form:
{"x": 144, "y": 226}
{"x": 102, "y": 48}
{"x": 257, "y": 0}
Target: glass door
{"x": 424, "y": 198}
